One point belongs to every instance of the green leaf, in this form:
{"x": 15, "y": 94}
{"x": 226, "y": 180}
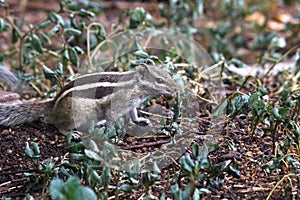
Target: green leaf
{"x": 148, "y": 197}
{"x": 240, "y": 101}
{"x": 28, "y": 197}
{"x": 36, "y": 148}
{"x": 101, "y": 33}
{"x": 70, "y": 190}
{"x": 59, "y": 70}
{"x": 156, "y": 169}
{"x": 231, "y": 146}
{"x": 66, "y": 54}
{"x": 78, "y": 50}
{"x": 58, "y": 19}
{"x": 176, "y": 192}
{"x": 86, "y": 13}
{"x": 204, "y": 191}
{"x": 85, "y": 193}
{"x": 185, "y": 166}
{"x": 3, "y": 26}
{"x": 238, "y": 63}
{"x": 137, "y": 17}
{"x": 221, "y": 109}
{"x": 126, "y": 187}
{"x": 141, "y": 54}
{"x": 71, "y": 185}
{"x": 36, "y": 43}
{"x": 186, "y": 192}
{"x": 148, "y": 179}
{"x": 127, "y": 167}
{"x": 45, "y": 24}
{"x": 263, "y": 90}
{"x": 15, "y": 36}
{"x": 196, "y": 150}
{"x": 139, "y": 14}
{"x": 57, "y": 189}
{"x": 45, "y": 39}
{"x": 204, "y": 164}
{"x": 196, "y": 195}
{"x": 66, "y": 58}
{"x": 74, "y": 6}
{"x": 111, "y": 149}
{"x": 74, "y": 57}
{"x": 217, "y": 169}
{"x": 54, "y": 30}
{"x": 284, "y": 113}
{"x": 278, "y": 42}
{"x": 189, "y": 160}
{"x": 263, "y": 41}
{"x": 235, "y": 171}
{"x": 92, "y": 175}
{"x": 29, "y": 152}
{"x": 122, "y": 15}
{"x": 276, "y": 113}
{"x": 77, "y": 156}
{"x": 48, "y": 72}
{"x": 92, "y": 155}
{"x": 204, "y": 152}
{"x": 162, "y": 196}
{"x": 105, "y": 176}
{"x": 136, "y": 168}
{"x": 72, "y": 31}
{"x": 50, "y": 165}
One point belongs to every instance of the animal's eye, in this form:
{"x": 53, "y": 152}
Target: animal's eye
{"x": 159, "y": 80}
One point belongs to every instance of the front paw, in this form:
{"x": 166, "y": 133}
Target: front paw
{"x": 76, "y": 136}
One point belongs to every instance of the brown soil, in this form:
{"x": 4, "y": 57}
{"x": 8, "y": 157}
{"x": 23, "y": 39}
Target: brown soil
{"x": 14, "y": 163}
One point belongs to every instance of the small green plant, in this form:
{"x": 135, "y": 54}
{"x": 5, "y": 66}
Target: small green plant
{"x": 179, "y": 12}
{"x": 45, "y": 170}
{"x": 71, "y": 189}
{"x": 193, "y": 171}
{"x": 57, "y": 39}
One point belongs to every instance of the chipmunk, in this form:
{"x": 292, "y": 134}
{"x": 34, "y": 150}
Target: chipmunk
{"x": 97, "y": 96}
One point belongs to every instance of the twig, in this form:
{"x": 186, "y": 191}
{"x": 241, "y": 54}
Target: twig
{"x": 155, "y": 115}
{"x": 279, "y": 60}
{"x": 279, "y": 182}
{"x": 149, "y": 144}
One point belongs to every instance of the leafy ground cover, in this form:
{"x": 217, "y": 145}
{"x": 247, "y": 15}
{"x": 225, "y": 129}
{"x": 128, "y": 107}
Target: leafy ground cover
{"x": 255, "y": 153}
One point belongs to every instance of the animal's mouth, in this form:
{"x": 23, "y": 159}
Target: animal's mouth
{"x": 171, "y": 93}
{"x": 174, "y": 94}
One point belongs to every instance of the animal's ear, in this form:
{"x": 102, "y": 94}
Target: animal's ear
{"x": 143, "y": 69}
{"x": 150, "y": 62}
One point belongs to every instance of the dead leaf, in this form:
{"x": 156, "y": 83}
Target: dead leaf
{"x": 257, "y": 17}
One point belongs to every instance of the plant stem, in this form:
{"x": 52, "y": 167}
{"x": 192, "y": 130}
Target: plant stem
{"x": 274, "y": 135}
{"x": 117, "y": 186}
{"x": 192, "y": 189}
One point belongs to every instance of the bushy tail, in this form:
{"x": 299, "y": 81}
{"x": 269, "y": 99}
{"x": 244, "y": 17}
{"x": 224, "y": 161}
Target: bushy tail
{"x": 7, "y": 76}
{"x": 11, "y": 115}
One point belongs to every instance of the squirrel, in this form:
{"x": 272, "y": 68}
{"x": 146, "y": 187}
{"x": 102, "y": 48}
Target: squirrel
{"x": 102, "y": 96}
